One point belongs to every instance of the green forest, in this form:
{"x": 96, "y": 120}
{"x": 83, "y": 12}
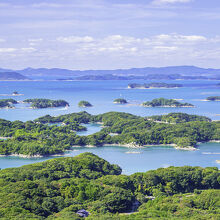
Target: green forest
{"x": 120, "y": 101}
{"x": 46, "y": 103}
{"x": 84, "y": 104}
{"x": 160, "y": 102}
{"x": 7, "y": 103}
{"x": 44, "y": 136}
{"x": 58, "y": 188}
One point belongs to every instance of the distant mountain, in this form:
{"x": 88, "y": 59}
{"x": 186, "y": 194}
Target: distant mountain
{"x": 12, "y": 76}
{"x": 132, "y": 77}
{"x": 46, "y": 72}
{"x": 5, "y": 70}
{"x": 151, "y": 72}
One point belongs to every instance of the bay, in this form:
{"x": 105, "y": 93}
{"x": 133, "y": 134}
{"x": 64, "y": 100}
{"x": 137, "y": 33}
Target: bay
{"x": 101, "y": 94}
{"x": 138, "y": 160}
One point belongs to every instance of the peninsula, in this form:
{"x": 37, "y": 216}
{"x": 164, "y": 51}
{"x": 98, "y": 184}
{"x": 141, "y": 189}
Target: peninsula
{"x": 46, "y": 103}
{"x": 7, "y": 103}
{"x": 162, "y": 102}
{"x": 37, "y": 138}
{"x": 153, "y": 85}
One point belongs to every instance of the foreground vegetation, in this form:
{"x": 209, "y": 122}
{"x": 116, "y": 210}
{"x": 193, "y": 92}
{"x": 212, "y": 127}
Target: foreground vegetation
{"x": 58, "y": 188}
{"x": 162, "y": 102}
{"x": 34, "y": 138}
{"x": 46, "y": 103}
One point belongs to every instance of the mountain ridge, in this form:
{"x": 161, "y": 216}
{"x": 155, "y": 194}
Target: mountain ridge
{"x": 58, "y": 72}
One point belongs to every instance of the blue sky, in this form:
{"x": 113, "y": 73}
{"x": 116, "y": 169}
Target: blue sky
{"x": 109, "y": 34}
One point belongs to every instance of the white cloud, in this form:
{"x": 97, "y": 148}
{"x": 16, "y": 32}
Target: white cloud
{"x": 28, "y": 49}
{"x": 165, "y": 48}
{"x": 45, "y": 5}
{"x": 75, "y": 39}
{"x": 7, "y": 50}
{"x": 160, "y": 2}
{"x": 2, "y": 40}
{"x": 125, "y": 46}
{"x": 35, "y": 40}
{"x": 116, "y": 51}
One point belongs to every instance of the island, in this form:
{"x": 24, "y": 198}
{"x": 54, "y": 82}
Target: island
{"x": 84, "y": 104}
{"x": 153, "y": 85}
{"x": 15, "y": 93}
{"x": 46, "y": 103}
{"x": 7, "y": 103}
{"x": 38, "y": 138}
{"x": 162, "y": 102}
{"x": 213, "y": 98}
{"x": 89, "y": 186}
{"x": 120, "y": 101}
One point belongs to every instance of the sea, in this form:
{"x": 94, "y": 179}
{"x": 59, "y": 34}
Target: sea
{"x": 101, "y": 95}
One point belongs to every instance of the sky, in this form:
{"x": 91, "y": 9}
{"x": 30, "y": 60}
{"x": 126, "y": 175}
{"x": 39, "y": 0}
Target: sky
{"x": 109, "y": 34}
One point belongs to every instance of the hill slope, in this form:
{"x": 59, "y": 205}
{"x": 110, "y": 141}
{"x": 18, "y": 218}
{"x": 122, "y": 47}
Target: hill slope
{"x": 59, "y": 188}
{"x": 12, "y": 76}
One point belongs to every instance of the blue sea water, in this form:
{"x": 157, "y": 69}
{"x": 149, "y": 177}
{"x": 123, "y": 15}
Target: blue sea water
{"x": 101, "y": 94}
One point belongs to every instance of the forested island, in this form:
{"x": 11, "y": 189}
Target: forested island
{"x": 84, "y": 104}
{"x": 63, "y": 188}
{"x": 162, "y": 102}
{"x": 7, "y": 103}
{"x": 153, "y": 85}
{"x": 37, "y": 138}
{"x": 120, "y": 101}
{"x": 46, "y": 103}
{"x": 213, "y": 98}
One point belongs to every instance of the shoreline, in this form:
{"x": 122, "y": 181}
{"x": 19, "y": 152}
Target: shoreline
{"x": 24, "y": 156}
{"x": 131, "y": 146}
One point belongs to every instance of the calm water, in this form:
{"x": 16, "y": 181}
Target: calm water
{"x": 138, "y": 160}
{"x": 101, "y": 94}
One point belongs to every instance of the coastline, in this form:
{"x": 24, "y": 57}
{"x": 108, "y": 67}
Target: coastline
{"x": 131, "y": 145}
{"x": 23, "y": 156}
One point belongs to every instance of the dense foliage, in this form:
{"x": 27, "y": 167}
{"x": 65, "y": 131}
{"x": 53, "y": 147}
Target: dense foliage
{"x": 213, "y": 98}
{"x": 43, "y": 136}
{"x": 160, "y": 102}
{"x": 46, "y": 103}
{"x": 178, "y": 118}
{"x": 153, "y": 85}
{"x": 7, "y": 103}
{"x": 58, "y": 188}
{"x": 120, "y": 101}
{"x": 84, "y": 104}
